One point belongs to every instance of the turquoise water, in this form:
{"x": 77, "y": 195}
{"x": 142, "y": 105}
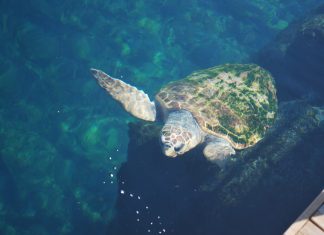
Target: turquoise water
{"x": 62, "y": 138}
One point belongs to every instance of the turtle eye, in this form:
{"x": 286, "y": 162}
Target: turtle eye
{"x": 178, "y": 148}
{"x": 167, "y": 145}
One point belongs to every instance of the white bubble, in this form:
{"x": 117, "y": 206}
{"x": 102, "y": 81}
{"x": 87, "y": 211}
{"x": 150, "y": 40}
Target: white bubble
{"x": 123, "y": 182}
{"x": 137, "y": 212}
{"x": 115, "y": 167}
{"x": 117, "y": 150}
{"x": 103, "y": 182}
{"x": 131, "y": 195}
{"x": 111, "y": 175}
{"x": 148, "y": 230}
{"x": 122, "y": 191}
{"x": 151, "y": 223}
{"x": 160, "y": 232}
{"x": 138, "y": 197}
{"x": 111, "y": 182}
{"x": 164, "y": 230}
{"x": 146, "y": 207}
{"x": 110, "y": 158}
{"x": 58, "y": 111}
{"x": 138, "y": 220}
{"x": 159, "y": 217}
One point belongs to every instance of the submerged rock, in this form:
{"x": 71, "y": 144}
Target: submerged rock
{"x": 36, "y": 44}
{"x": 47, "y": 187}
{"x": 296, "y": 58}
{"x": 188, "y": 195}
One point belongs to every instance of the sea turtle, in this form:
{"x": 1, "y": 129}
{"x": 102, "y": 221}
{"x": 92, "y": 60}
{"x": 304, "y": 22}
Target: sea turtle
{"x": 225, "y": 107}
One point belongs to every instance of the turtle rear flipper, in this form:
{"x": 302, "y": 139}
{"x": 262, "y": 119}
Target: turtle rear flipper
{"x": 134, "y": 101}
{"x": 319, "y": 114}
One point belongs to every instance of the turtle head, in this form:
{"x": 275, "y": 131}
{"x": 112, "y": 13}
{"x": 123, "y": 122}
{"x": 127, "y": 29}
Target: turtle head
{"x": 175, "y": 140}
{"x": 180, "y": 134}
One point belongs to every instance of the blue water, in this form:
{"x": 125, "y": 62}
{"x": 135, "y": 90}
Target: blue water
{"x": 63, "y": 140}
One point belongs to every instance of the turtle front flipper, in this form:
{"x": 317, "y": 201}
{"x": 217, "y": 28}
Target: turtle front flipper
{"x": 218, "y": 150}
{"x": 135, "y": 101}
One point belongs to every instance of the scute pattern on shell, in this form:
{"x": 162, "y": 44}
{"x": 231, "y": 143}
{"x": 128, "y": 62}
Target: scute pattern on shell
{"x": 234, "y": 101}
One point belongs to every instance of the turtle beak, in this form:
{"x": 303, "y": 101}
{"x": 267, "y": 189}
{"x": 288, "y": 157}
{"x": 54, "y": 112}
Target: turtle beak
{"x": 168, "y": 151}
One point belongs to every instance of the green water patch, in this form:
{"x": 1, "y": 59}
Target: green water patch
{"x": 82, "y": 47}
{"x": 99, "y": 135}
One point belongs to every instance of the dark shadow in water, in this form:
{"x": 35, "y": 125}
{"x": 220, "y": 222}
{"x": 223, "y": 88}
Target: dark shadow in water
{"x": 262, "y": 191}
{"x": 295, "y": 58}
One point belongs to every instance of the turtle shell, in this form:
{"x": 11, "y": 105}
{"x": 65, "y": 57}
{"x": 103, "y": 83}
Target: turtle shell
{"x": 237, "y": 102}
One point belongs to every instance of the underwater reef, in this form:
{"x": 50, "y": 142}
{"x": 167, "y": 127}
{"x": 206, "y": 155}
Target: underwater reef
{"x": 62, "y": 185}
{"x": 275, "y": 179}
{"x": 296, "y": 58}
